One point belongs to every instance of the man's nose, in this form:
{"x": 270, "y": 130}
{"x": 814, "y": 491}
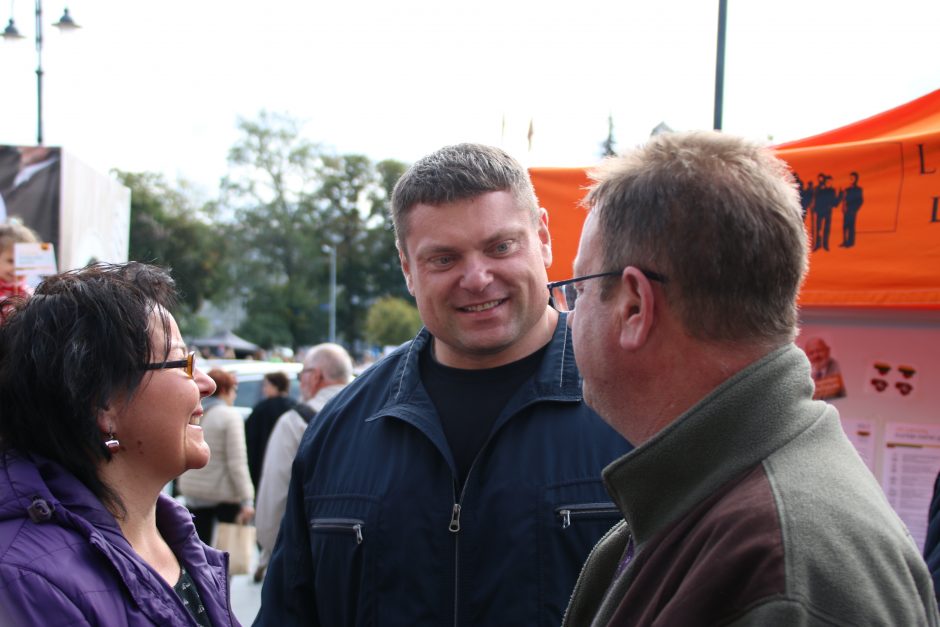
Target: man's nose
{"x": 477, "y": 274}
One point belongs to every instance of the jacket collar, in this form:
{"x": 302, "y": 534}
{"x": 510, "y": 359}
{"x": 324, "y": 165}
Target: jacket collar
{"x": 71, "y": 504}
{"x": 556, "y": 379}
{"x": 211, "y": 401}
{"x": 324, "y": 395}
{"x": 30, "y": 477}
{"x": 737, "y": 425}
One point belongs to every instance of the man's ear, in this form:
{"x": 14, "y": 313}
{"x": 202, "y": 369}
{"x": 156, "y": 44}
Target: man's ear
{"x": 636, "y": 309}
{"x": 545, "y": 238}
{"x": 405, "y": 269}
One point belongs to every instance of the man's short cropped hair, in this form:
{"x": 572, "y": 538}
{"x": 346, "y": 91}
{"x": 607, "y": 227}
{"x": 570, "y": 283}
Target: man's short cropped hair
{"x": 279, "y": 380}
{"x": 720, "y": 216}
{"x": 456, "y": 173}
{"x": 332, "y": 360}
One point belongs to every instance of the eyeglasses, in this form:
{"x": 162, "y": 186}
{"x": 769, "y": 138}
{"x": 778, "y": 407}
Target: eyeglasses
{"x": 563, "y": 294}
{"x": 188, "y": 364}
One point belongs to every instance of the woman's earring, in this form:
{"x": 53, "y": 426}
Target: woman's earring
{"x": 112, "y": 442}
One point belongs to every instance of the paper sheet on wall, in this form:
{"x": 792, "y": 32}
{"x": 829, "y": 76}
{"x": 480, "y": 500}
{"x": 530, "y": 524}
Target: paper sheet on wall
{"x": 861, "y": 434}
{"x": 910, "y": 465}
{"x": 34, "y": 261}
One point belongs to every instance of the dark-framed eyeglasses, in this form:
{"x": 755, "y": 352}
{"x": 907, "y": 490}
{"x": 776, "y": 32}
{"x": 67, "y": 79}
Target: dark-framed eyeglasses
{"x": 188, "y": 364}
{"x": 563, "y": 295}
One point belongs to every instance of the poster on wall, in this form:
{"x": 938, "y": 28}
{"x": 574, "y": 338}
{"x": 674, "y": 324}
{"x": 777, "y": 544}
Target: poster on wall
{"x": 910, "y": 466}
{"x": 34, "y": 261}
{"x": 827, "y": 375}
{"x": 30, "y": 182}
{"x": 861, "y": 434}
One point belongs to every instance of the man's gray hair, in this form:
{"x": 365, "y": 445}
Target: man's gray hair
{"x": 332, "y": 360}
{"x": 720, "y": 217}
{"x": 456, "y": 173}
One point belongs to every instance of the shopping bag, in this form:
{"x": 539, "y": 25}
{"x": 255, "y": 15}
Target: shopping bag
{"x": 239, "y": 542}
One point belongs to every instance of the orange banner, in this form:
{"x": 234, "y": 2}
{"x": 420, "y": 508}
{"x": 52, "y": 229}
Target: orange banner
{"x": 871, "y": 199}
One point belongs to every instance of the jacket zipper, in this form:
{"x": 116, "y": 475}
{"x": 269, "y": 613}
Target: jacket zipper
{"x": 454, "y": 526}
{"x": 566, "y": 512}
{"x": 349, "y": 525}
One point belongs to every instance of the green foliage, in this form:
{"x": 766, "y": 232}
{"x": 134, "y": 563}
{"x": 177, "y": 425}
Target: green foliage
{"x": 192, "y": 324}
{"x": 391, "y": 321}
{"x": 170, "y": 228}
{"x": 289, "y": 201}
{"x": 265, "y": 243}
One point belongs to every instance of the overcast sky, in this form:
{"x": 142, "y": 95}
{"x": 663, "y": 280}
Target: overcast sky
{"x": 160, "y": 86}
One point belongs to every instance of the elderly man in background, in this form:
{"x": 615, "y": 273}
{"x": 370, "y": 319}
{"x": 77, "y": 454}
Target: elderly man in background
{"x": 327, "y": 370}
{"x": 744, "y": 503}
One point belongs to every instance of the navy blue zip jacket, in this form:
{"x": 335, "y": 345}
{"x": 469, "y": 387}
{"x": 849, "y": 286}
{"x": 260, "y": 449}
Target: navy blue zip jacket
{"x": 376, "y": 533}
{"x": 932, "y": 543}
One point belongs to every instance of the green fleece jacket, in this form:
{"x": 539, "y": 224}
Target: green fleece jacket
{"x": 753, "y": 508}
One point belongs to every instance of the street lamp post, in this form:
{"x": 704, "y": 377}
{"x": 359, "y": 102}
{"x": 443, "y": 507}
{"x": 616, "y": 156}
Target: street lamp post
{"x": 720, "y": 63}
{"x": 10, "y": 33}
{"x": 332, "y": 251}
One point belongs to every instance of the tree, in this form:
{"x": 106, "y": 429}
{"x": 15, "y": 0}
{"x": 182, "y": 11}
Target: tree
{"x": 391, "y": 321}
{"x": 273, "y": 174}
{"x": 169, "y": 227}
{"x": 385, "y": 271}
{"x": 289, "y": 201}
{"x": 609, "y": 145}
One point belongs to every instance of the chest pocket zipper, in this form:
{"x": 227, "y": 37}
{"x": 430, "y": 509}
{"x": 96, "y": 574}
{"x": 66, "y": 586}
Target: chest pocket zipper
{"x": 567, "y": 513}
{"x": 351, "y": 526}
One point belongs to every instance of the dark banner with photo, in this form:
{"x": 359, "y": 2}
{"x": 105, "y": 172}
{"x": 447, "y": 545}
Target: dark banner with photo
{"x": 30, "y": 188}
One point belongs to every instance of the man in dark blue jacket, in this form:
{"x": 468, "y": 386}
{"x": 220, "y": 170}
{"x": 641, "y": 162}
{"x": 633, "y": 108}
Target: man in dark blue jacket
{"x": 932, "y": 542}
{"x": 457, "y": 481}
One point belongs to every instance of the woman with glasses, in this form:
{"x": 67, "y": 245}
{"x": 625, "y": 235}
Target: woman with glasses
{"x": 100, "y": 405}
{"x": 221, "y": 491}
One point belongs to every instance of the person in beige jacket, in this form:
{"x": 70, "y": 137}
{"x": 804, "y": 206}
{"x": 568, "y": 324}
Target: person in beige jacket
{"x": 221, "y": 491}
{"x": 327, "y": 369}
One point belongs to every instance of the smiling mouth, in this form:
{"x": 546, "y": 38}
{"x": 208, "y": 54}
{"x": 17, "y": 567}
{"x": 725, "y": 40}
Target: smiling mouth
{"x": 195, "y": 420}
{"x": 482, "y": 306}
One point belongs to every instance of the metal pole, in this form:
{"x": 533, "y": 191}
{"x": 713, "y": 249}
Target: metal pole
{"x": 39, "y": 72}
{"x": 720, "y": 63}
{"x": 333, "y": 294}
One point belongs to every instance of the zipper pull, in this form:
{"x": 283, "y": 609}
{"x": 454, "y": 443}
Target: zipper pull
{"x": 454, "y": 526}
{"x": 565, "y": 518}
{"x": 358, "y": 529}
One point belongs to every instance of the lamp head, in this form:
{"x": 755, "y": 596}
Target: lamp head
{"x": 10, "y": 33}
{"x": 66, "y": 23}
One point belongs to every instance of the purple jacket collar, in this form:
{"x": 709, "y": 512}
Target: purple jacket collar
{"x": 33, "y": 487}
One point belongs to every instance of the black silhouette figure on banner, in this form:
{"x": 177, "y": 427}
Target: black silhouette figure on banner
{"x": 826, "y": 199}
{"x": 806, "y": 194}
{"x": 853, "y": 202}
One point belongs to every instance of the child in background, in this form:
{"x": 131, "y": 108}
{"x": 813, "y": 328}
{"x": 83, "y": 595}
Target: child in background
{"x": 12, "y": 232}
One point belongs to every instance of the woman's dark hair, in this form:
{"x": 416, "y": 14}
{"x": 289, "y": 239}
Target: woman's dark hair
{"x": 65, "y": 352}
{"x": 278, "y": 380}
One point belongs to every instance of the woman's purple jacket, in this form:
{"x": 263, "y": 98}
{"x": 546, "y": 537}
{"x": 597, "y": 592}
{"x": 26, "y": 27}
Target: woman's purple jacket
{"x": 64, "y": 560}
